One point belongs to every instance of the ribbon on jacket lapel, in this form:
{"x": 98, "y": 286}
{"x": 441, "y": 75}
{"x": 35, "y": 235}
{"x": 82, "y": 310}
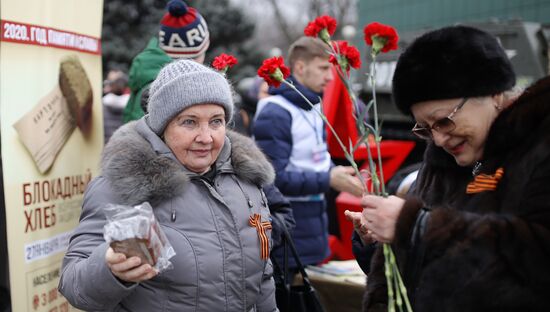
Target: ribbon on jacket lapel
{"x": 485, "y": 182}
{"x": 255, "y": 220}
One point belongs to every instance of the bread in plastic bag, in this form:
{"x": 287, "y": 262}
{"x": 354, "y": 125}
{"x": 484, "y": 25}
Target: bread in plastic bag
{"x": 134, "y": 231}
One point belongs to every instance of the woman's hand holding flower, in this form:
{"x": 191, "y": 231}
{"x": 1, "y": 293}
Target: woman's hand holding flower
{"x": 360, "y": 225}
{"x": 343, "y": 179}
{"x": 381, "y": 215}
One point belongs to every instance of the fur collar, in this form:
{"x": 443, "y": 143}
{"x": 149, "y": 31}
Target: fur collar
{"x": 519, "y": 127}
{"x": 140, "y": 167}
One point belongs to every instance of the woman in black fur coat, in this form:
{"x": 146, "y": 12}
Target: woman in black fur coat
{"x": 475, "y": 233}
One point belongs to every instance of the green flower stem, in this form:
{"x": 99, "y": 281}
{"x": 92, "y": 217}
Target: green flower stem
{"x": 402, "y": 287}
{"x": 395, "y": 281}
{"x": 388, "y": 273}
{"x": 342, "y": 67}
{"x": 278, "y": 75}
{"x": 373, "y": 174}
{"x": 346, "y": 153}
{"x": 377, "y": 138}
{"x": 324, "y": 35}
{"x": 377, "y": 45}
{"x": 341, "y": 71}
{"x": 361, "y": 123}
{"x": 377, "y": 183}
{"x": 397, "y": 292}
{"x": 352, "y": 97}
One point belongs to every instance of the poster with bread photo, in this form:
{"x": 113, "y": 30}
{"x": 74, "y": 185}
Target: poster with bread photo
{"x": 45, "y": 129}
{"x": 51, "y": 129}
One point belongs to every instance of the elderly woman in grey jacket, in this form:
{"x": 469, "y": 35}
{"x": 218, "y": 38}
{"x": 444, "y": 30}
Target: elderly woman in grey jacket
{"x": 204, "y": 184}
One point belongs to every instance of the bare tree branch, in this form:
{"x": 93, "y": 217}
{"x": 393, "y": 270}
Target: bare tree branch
{"x": 315, "y": 8}
{"x": 282, "y": 22}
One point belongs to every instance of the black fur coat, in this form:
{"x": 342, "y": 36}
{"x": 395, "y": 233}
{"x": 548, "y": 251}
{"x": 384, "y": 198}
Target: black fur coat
{"x": 487, "y": 251}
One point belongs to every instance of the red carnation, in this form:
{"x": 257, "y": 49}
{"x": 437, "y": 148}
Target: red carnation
{"x": 274, "y": 71}
{"x": 223, "y": 62}
{"x": 322, "y": 27}
{"x": 381, "y": 37}
{"x": 348, "y": 55}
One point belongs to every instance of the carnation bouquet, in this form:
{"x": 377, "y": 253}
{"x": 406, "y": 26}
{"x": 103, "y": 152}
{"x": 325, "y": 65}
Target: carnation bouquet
{"x": 345, "y": 57}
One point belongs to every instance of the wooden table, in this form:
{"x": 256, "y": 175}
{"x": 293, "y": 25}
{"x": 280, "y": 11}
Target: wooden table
{"x": 339, "y": 293}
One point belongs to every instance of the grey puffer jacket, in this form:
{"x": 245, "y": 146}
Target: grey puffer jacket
{"x": 217, "y": 266}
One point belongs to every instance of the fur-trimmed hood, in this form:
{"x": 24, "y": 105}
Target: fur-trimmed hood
{"x": 516, "y": 129}
{"x": 140, "y": 167}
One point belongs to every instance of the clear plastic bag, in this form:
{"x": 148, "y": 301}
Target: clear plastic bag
{"x": 134, "y": 231}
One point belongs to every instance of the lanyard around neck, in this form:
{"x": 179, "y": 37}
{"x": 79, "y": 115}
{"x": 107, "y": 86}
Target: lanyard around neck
{"x": 313, "y": 124}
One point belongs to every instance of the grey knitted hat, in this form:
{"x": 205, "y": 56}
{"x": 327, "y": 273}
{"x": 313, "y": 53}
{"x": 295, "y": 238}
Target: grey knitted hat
{"x": 182, "y": 84}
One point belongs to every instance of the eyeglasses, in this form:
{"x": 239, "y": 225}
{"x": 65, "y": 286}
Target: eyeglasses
{"x": 443, "y": 125}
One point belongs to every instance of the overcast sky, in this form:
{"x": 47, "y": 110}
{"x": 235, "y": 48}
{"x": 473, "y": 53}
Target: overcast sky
{"x": 268, "y": 32}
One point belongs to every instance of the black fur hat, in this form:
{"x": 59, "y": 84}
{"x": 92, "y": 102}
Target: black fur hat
{"x": 451, "y": 62}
